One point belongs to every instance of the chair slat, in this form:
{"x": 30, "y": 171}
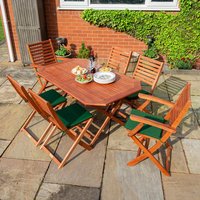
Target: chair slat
{"x": 148, "y": 71}
{"x": 119, "y": 59}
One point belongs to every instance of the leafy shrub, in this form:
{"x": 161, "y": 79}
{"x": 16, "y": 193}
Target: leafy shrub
{"x": 151, "y": 52}
{"x": 176, "y": 35}
{"x": 183, "y": 64}
{"x": 62, "y": 51}
{"x": 83, "y": 51}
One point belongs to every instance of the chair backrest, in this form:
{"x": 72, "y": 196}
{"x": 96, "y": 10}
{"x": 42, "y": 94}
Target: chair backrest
{"x": 119, "y": 59}
{"x": 148, "y": 71}
{"x": 47, "y": 109}
{"x": 180, "y": 108}
{"x": 24, "y": 94}
{"x": 42, "y": 53}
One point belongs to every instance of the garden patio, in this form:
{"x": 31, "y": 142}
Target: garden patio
{"x": 102, "y": 173}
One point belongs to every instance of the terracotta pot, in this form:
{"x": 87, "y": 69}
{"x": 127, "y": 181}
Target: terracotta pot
{"x": 197, "y": 64}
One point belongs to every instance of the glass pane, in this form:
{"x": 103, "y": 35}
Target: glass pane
{"x": 117, "y": 1}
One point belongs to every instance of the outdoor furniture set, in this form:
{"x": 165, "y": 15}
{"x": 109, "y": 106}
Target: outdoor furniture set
{"x": 75, "y": 119}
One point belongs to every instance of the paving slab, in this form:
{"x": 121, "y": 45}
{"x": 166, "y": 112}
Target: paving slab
{"x": 186, "y": 77}
{"x": 50, "y": 191}
{"x": 84, "y": 167}
{"x": 2, "y": 80}
{"x": 20, "y": 179}
{"x": 181, "y": 186}
{"x": 9, "y": 95}
{"x": 18, "y": 73}
{"x": 195, "y": 102}
{"x": 178, "y": 160}
{"x": 12, "y": 118}
{"x": 142, "y": 181}
{"x": 3, "y": 145}
{"x": 119, "y": 140}
{"x": 189, "y": 127}
{"x": 191, "y": 148}
{"x": 27, "y": 83}
{"x": 23, "y": 148}
{"x": 195, "y": 89}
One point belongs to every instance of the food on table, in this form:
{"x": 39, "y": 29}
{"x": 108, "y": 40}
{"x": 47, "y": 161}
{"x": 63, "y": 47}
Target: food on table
{"x": 84, "y": 78}
{"x": 105, "y": 69}
{"x": 78, "y": 70}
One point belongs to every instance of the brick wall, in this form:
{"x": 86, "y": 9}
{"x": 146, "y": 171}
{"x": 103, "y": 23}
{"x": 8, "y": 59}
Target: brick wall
{"x": 67, "y": 23}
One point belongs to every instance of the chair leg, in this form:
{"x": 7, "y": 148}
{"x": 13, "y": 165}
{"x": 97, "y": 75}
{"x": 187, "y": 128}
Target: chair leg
{"x": 75, "y": 144}
{"x": 48, "y": 137}
{"x": 148, "y": 154}
{"x": 168, "y": 155}
{"x": 44, "y": 134}
{"x": 28, "y": 120}
{"x": 139, "y": 149}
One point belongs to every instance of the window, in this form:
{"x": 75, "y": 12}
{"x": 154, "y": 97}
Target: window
{"x": 120, "y": 4}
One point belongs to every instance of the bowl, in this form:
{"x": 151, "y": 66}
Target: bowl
{"x": 105, "y": 69}
{"x": 79, "y": 70}
{"x": 104, "y": 77}
{"x": 83, "y": 80}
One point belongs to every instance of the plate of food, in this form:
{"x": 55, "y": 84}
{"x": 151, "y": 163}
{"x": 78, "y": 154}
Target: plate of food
{"x": 105, "y": 69}
{"x": 84, "y": 78}
{"x": 104, "y": 77}
{"x": 78, "y": 70}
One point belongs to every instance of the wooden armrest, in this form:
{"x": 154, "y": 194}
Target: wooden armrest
{"x": 155, "y": 99}
{"x": 152, "y": 123}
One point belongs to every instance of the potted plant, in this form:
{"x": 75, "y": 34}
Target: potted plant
{"x": 63, "y": 51}
{"x": 151, "y": 52}
{"x": 84, "y": 52}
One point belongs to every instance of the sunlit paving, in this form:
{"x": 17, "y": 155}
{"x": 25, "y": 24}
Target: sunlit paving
{"x": 93, "y": 108}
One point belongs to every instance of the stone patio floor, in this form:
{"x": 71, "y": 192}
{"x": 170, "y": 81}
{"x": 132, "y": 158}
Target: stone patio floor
{"x": 102, "y": 173}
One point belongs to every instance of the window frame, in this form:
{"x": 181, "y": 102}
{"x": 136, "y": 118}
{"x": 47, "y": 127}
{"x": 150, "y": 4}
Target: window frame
{"x": 149, "y": 5}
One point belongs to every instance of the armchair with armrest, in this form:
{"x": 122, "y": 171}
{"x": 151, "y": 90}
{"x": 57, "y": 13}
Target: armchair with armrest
{"x": 143, "y": 127}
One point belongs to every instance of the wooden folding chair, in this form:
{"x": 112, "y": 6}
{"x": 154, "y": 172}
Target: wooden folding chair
{"x": 52, "y": 96}
{"x": 69, "y": 120}
{"x": 41, "y": 54}
{"x": 119, "y": 59}
{"x": 147, "y": 71}
{"x": 143, "y": 126}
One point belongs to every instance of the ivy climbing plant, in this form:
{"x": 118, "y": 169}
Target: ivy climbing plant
{"x": 177, "y": 35}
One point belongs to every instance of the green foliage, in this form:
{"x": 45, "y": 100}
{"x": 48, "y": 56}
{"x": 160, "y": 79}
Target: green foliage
{"x": 84, "y": 52}
{"x": 151, "y": 52}
{"x": 176, "y": 35}
{"x": 183, "y": 64}
{"x": 1, "y": 30}
{"x": 62, "y": 51}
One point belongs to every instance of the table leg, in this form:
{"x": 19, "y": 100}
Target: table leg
{"x": 110, "y": 115}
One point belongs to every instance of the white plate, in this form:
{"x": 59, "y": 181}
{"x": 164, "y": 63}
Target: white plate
{"x": 104, "y": 77}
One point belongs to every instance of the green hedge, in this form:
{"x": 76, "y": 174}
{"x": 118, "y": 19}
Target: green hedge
{"x": 176, "y": 35}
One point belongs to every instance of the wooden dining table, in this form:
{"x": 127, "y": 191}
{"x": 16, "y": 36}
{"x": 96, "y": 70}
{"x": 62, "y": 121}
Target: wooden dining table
{"x": 106, "y": 98}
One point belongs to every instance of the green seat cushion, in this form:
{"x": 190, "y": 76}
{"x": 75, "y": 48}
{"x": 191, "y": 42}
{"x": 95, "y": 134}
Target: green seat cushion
{"x": 53, "y": 97}
{"x": 146, "y": 129}
{"x": 135, "y": 95}
{"x": 73, "y": 115}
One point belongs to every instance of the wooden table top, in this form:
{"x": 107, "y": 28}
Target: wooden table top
{"x": 90, "y": 94}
